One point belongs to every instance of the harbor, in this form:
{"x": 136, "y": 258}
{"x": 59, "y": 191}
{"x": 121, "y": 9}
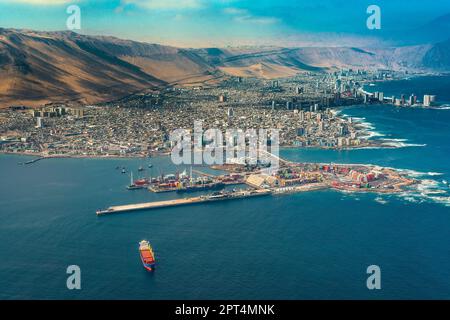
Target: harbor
{"x": 288, "y": 179}
{"x": 184, "y": 182}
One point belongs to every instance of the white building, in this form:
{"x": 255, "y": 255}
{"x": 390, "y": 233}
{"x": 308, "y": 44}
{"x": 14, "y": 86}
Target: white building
{"x": 428, "y": 100}
{"x": 39, "y": 123}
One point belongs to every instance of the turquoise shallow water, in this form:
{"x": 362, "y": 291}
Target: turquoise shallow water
{"x": 302, "y": 246}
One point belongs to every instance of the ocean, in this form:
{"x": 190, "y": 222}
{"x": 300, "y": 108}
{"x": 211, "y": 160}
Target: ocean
{"x": 420, "y": 86}
{"x": 314, "y": 245}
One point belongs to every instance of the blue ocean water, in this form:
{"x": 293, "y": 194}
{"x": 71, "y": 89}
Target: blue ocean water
{"x": 314, "y": 245}
{"x": 420, "y": 86}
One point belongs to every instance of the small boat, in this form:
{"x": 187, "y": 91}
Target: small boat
{"x": 147, "y": 255}
{"x": 140, "y": 168}
{"x": 133, "y": 185}
{"x": 124, "y": 171}
{"x": 150, "y": 165}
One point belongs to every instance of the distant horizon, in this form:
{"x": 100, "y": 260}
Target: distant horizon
{"x": 233, "y": 23}
{"x": 237, "y": 46}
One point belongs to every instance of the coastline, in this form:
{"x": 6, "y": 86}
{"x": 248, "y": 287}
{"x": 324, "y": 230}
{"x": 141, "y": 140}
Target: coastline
{"x": 139, "y": 156}
{"x": 400, "y": 174}
{"x": 44, "y": 155}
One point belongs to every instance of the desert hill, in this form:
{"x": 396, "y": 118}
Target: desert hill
{"x": 40, "y": 67}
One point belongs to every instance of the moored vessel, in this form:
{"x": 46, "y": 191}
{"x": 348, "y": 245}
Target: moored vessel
{"x": 138, "y": 184}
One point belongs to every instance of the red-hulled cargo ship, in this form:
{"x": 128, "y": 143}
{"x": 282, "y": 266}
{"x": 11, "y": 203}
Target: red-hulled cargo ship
{"x": 138, "y": 184}
{"x": 147, "y": 255}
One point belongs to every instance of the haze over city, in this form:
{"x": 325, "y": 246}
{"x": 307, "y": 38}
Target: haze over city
{"x": 202, "y": 23}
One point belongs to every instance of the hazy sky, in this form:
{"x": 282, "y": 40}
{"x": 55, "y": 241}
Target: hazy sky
{"x": 226, "y": 22}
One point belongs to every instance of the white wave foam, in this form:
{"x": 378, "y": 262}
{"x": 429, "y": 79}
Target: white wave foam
{"x": 428, "y": 190}
{"x": 371, "y": 134}
{"x": 364, "y": 148}
{"x": 410, "y": 198}
{"x": 402, "y": 144}
{"x": 367, "y": 128}
{"x": 443, "y": 200}
{"x": 366, "y": 125}
{"x": 396, "y": 140}
{"x": 381, "y": 200}
{"x": 417, "y": 174}
{"x": 443, "y": 107}
{"x": 427, "y": 184}
{"x": 433, "y": 174}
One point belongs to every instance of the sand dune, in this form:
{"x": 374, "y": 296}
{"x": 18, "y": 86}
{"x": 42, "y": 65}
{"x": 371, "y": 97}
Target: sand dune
{"x": 262, "y": 70}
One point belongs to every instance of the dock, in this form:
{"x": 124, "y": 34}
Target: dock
{"x": 149, "y": 205}
{"x": 42, "y": 158}
{"x": 183, "y": 201}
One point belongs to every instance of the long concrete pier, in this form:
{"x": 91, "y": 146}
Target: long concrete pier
{"x": 184, "y": 201}
{"x": 149, "y": 205}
